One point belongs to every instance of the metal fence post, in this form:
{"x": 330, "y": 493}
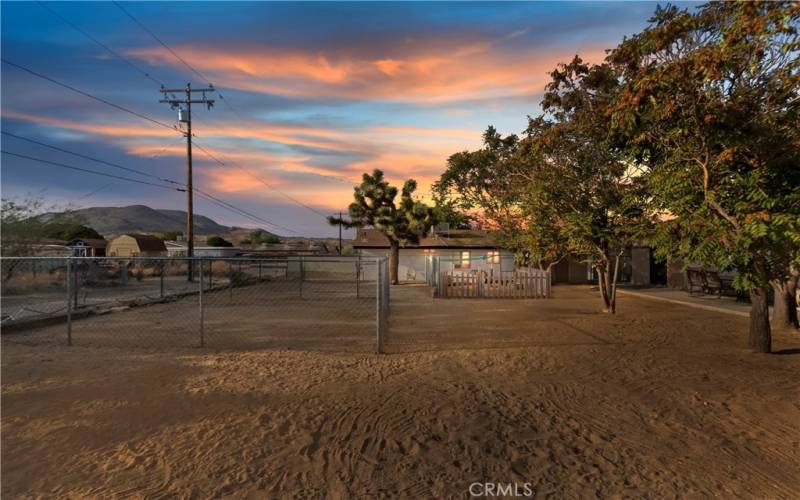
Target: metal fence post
{"x": 302, "y": 275}
{"x": 202, "y": 311}
{"x": 75, "y": 287}
{"x": 379, "y": 306}
{"x": 386, "y": 289}
{"x": 230, "y": 280}
{"x": 69, "y": 301}
{"x": 358, "y": 276}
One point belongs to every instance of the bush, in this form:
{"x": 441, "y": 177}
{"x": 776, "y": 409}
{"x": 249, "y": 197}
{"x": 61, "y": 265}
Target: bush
{"x": 218, "y": 241}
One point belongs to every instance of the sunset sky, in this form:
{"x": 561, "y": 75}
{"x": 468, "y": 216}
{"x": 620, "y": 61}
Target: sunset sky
{"x": 318, "y": 94}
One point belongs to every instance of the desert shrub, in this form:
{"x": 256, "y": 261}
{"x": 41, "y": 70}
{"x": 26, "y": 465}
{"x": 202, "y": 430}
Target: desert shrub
{"x": 218, "y": 241}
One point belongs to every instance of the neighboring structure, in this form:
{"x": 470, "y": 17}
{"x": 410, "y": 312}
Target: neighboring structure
{"x": 638, "y": 268}
{"x": 457, "y": 249}
{"x": 136, "y": 245}
{"x": 178, "y": 249}
{"x": 88, "y": 247}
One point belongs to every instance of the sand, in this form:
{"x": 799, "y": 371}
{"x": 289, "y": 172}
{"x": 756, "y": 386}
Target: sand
{"x": 658, "y": 401}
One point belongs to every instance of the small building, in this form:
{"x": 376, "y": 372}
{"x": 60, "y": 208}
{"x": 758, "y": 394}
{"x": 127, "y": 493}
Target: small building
{"x": 464, "y": 250}
{"x": 179, "y": 249}
{"x": 136, "y": 245}
{"x": 88, "y": 247}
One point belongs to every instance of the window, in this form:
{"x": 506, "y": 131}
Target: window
{"x": 493, "y": 257}
{"x": 464, "y": 262}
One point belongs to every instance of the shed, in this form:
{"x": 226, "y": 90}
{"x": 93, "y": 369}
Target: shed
{"x": 88, "y": 247}
{"x": 137, "y": 245}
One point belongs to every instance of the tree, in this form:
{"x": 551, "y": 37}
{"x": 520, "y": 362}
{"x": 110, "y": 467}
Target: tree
{"x": 581, "y": 184}
{"x": 67, "y": 231}
{"x": 20, "y": 226}
{"x": 489, "y": 185}
{"x": 218, "y": 241}
{"x": 169, "y": 235}
{"x": 402, "y": 224}
{"x": 261, "y": 237}
{"x": 710, "y": 105}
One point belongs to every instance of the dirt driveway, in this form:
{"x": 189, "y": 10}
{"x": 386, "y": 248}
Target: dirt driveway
{"x": 657, "y": 401}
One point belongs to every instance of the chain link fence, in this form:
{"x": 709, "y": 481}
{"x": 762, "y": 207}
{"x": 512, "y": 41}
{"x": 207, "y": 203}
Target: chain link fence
{"x": 295, "y": 302}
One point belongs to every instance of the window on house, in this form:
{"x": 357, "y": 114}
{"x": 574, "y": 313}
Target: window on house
{"x": 464, "y": 262}
{"x": 493, "y": 257}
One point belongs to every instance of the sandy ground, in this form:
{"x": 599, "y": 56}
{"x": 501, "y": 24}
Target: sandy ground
{"x": 658, "y": 401}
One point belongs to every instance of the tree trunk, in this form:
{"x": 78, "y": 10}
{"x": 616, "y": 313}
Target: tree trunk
{"x": 394, "y": 261}
{"x": 601, "y": 274}
{"x": 760, "y": 334}
{"x": 613, "y": 297}
{"x": 784, "y": 314}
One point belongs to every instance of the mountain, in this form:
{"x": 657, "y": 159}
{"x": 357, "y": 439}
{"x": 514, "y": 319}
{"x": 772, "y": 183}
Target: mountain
{"x": 137, "y": 219}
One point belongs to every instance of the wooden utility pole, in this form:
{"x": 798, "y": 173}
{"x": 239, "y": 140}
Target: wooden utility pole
{"x": 184, "y": 107}
{"x": 340, "y": 233}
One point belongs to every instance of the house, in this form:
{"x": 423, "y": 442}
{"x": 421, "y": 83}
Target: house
{"x": 469, "y": 249}
{"x": 136, "y": 245}
{"x": 463, "y": 250}
{"x": 88, "y": 247}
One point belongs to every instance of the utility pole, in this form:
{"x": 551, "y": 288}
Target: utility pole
{"x": 340, "y": 232}
{"x": 184, "y": 107}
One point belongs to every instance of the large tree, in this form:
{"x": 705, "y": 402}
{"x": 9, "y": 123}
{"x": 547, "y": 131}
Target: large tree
{"x": 488, "y": 186}
{"x": 402, "y": 223}
{"x": 710, "y": 103}
{"x": 582, "y": 178}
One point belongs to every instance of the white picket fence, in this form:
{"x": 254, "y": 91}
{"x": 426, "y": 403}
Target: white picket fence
{"x": 524, "y": 283}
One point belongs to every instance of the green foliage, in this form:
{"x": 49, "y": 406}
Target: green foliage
{"x": 445, "y": 211}
{"x": 218, "y": 241}
{"x": 22, "y": 226}
{"x": 404, "y": 222}
{"x": 710, "y": 106}
{"x": 67, "y": 231}
{"x": 260, "y": 237}
{"x": 169, "y": 235}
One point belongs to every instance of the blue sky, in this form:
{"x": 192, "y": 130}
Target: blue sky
{"x": 320, "y": 92}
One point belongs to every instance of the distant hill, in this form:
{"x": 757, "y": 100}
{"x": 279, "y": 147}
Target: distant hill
{"x": 138, "y": 219}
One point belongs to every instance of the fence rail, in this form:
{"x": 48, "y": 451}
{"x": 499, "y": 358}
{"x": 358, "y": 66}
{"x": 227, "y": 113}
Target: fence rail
{"x": 525, "y": 283}
{"x": 230, "y": 302}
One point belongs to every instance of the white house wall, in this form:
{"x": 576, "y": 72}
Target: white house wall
{"x": 413, "y": 266}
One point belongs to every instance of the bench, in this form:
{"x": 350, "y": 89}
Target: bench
{"x": 695, "y": 281}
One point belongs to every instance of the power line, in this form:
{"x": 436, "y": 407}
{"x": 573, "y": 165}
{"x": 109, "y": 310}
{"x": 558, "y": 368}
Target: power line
{"x": 86, "y": 94}
{"x": 223, "y": 99}
{"x": 219, "y": 202}
{"x": 177, "y": 56}
{"x": 101, "y": 44}
{"x": 139, "y": 23}
{"x": 229, "y": 206}
{"x": 85, "y": 157}
{"x": 89, "y": 171}
{"x": 259, "y": 179}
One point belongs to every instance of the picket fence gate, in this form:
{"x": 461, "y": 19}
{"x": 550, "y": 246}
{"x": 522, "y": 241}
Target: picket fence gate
{"x": 525, "y": 283}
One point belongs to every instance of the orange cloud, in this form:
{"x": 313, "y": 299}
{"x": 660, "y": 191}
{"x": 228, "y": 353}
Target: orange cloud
{"x": 428, "y": 71}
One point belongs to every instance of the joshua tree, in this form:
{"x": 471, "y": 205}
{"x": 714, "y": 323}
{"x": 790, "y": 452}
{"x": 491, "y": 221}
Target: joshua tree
{"x": 403, "y": 223}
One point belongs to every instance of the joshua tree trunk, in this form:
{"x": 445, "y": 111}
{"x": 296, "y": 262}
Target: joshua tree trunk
{"x": 760, "y": 334}
{"x": 784, "y": 314}
{"x": 394, "y": 261}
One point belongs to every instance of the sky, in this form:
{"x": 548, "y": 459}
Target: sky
{"x": 312, "y": 95}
